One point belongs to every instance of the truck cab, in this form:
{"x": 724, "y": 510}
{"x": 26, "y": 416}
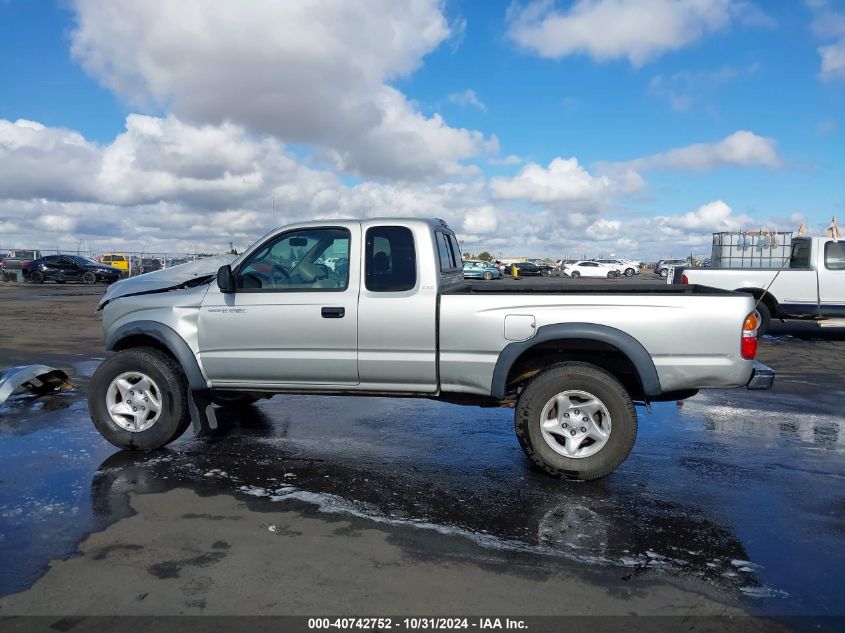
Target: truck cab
{"x": 367, "y": 323}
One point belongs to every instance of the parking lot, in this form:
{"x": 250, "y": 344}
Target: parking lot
{"x": 732, "y": 501}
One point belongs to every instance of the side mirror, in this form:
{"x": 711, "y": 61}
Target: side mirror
{"x": 225, "y": 279}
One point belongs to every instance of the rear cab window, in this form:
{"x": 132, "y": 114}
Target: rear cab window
{"x": 448, "y": 251}
{"x": 800, "y": 257}
{"x": 834, "y": 255}
{"x": 390, "y": 259}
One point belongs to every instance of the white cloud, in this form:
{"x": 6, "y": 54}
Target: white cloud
{"x": 563, "y": 181}
{"x": 482, "y": 220}
{"x": 740, "y": 149}
{"x": 37, "y": 161}
{"x": 468, "y": 98}
{"x": 154, "y": 159}
{"x": 833, "y": 60}
{"x": 166, "y": 185}
{"x": 314, "y": 73}
{"x": 603, "y": 230}
{"x": 684, "y": 88}
{"x": 829, "y": 25}
{"x": 714, "y": 216}
{"x": 510, "y": 159}
{"x": 639, "y": 30}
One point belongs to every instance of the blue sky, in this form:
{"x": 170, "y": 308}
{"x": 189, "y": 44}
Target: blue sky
{"x": 452, "y": 109}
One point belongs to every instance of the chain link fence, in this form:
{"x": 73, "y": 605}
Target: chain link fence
{"x": 131, "y": 263}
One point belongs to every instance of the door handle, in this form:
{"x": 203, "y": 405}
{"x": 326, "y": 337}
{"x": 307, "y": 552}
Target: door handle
{"x": 333, "y": 313}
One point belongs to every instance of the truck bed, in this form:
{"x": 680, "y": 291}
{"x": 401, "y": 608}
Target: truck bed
{"x": 570, "y": 288}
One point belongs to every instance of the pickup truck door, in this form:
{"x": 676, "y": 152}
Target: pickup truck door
{"x": 397, "y": 335}
{"x": 293, "y": 317}
{"x": 831, "y": 271}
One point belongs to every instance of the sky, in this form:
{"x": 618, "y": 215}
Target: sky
{"x": 626, "y": 128}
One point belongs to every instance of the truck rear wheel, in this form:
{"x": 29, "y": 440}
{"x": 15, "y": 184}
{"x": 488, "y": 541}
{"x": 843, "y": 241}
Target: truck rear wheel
{"x": 36, "y": 277}
{"x": 576, "y": 420}
{"x": 764, "y": 319}
{"x": 137, "y": 399}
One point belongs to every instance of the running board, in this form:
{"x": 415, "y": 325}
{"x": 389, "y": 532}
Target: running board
{"x": 831, "y": 323}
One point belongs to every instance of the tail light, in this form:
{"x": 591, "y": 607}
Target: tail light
{"x": 684, "y": 279}
{"x": 748, "y": 343}
{"x": 24, "y": 264}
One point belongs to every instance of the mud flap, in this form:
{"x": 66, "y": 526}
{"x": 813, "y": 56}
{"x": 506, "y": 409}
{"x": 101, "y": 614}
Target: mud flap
{"x": 203, "y": 418}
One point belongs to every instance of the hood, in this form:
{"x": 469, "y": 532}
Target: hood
{"x": 183, "y": 275}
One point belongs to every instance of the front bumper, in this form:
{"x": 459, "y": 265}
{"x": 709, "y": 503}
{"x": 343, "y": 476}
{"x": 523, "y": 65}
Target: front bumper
{"x": 762, "y": 377}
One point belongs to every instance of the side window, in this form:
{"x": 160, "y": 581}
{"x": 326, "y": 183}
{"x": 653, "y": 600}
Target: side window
{"x": 107, "y": 259}
{"x": 834, "y": 255}
{"x": 302, "y": 260}
{"x": 443, "y": 251}
{"x": 390, "y": 259}
{"x": 800, "y": 254}
{"x": 449, "y": 252}
{"x": 456, "y": 250}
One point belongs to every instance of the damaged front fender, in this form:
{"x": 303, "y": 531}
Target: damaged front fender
{"x": 38, "y": 379}
{"x": 181, "y": 276}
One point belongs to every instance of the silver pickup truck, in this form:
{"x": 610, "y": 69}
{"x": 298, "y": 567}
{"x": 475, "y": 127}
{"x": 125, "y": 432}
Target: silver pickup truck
{"x": 380, "y": 307}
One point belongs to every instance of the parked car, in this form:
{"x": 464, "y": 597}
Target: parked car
{"x": 527, "y": 269}
{"x": 62, "y": 268}
{"x": 591, "y": 269}
{"x": 481, "y": 270}
{"x": 17, "y": 261}
{"x": 546, "y": 269}
{"x": 150, "y": 264}
{"x": 402, "y": 321}
{"x": 811, "y": 287}
{"x": 628, "y": 268}
{"x": 662, "y": 267}
{"x": 116, "y": 260}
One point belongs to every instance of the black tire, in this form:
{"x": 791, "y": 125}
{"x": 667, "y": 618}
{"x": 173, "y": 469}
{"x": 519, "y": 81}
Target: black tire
{"x": 630, "y": 272}
{"x": 575, "y": 274}
{"x": 664, "y": 272}
{"x": 611, "y": 274}
{"x": 233, "y": 399}
{"x": 764, "y": 319}
{"x": 166, "y": 373}
{"x": 36, "y": 277}
{"x": 89, "y": 278}
{"x": 583, "y": 377}
{"x": 488, "y": 276}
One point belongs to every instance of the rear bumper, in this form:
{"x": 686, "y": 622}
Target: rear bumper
{"x": 762, "y": 377}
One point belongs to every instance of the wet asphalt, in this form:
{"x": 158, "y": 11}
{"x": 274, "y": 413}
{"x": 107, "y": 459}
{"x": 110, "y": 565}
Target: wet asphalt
{"x": 740, "y": 492}
{"x": 744, "y": 491}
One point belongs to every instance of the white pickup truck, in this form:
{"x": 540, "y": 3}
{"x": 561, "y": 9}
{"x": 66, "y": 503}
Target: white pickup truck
{"x": 380, "y": 307}
{"x": 810, "y": 285}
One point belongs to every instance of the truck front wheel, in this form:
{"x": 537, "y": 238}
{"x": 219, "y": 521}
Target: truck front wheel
{"x": 576, "y": 420}
{"x": 137, "y": 399}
